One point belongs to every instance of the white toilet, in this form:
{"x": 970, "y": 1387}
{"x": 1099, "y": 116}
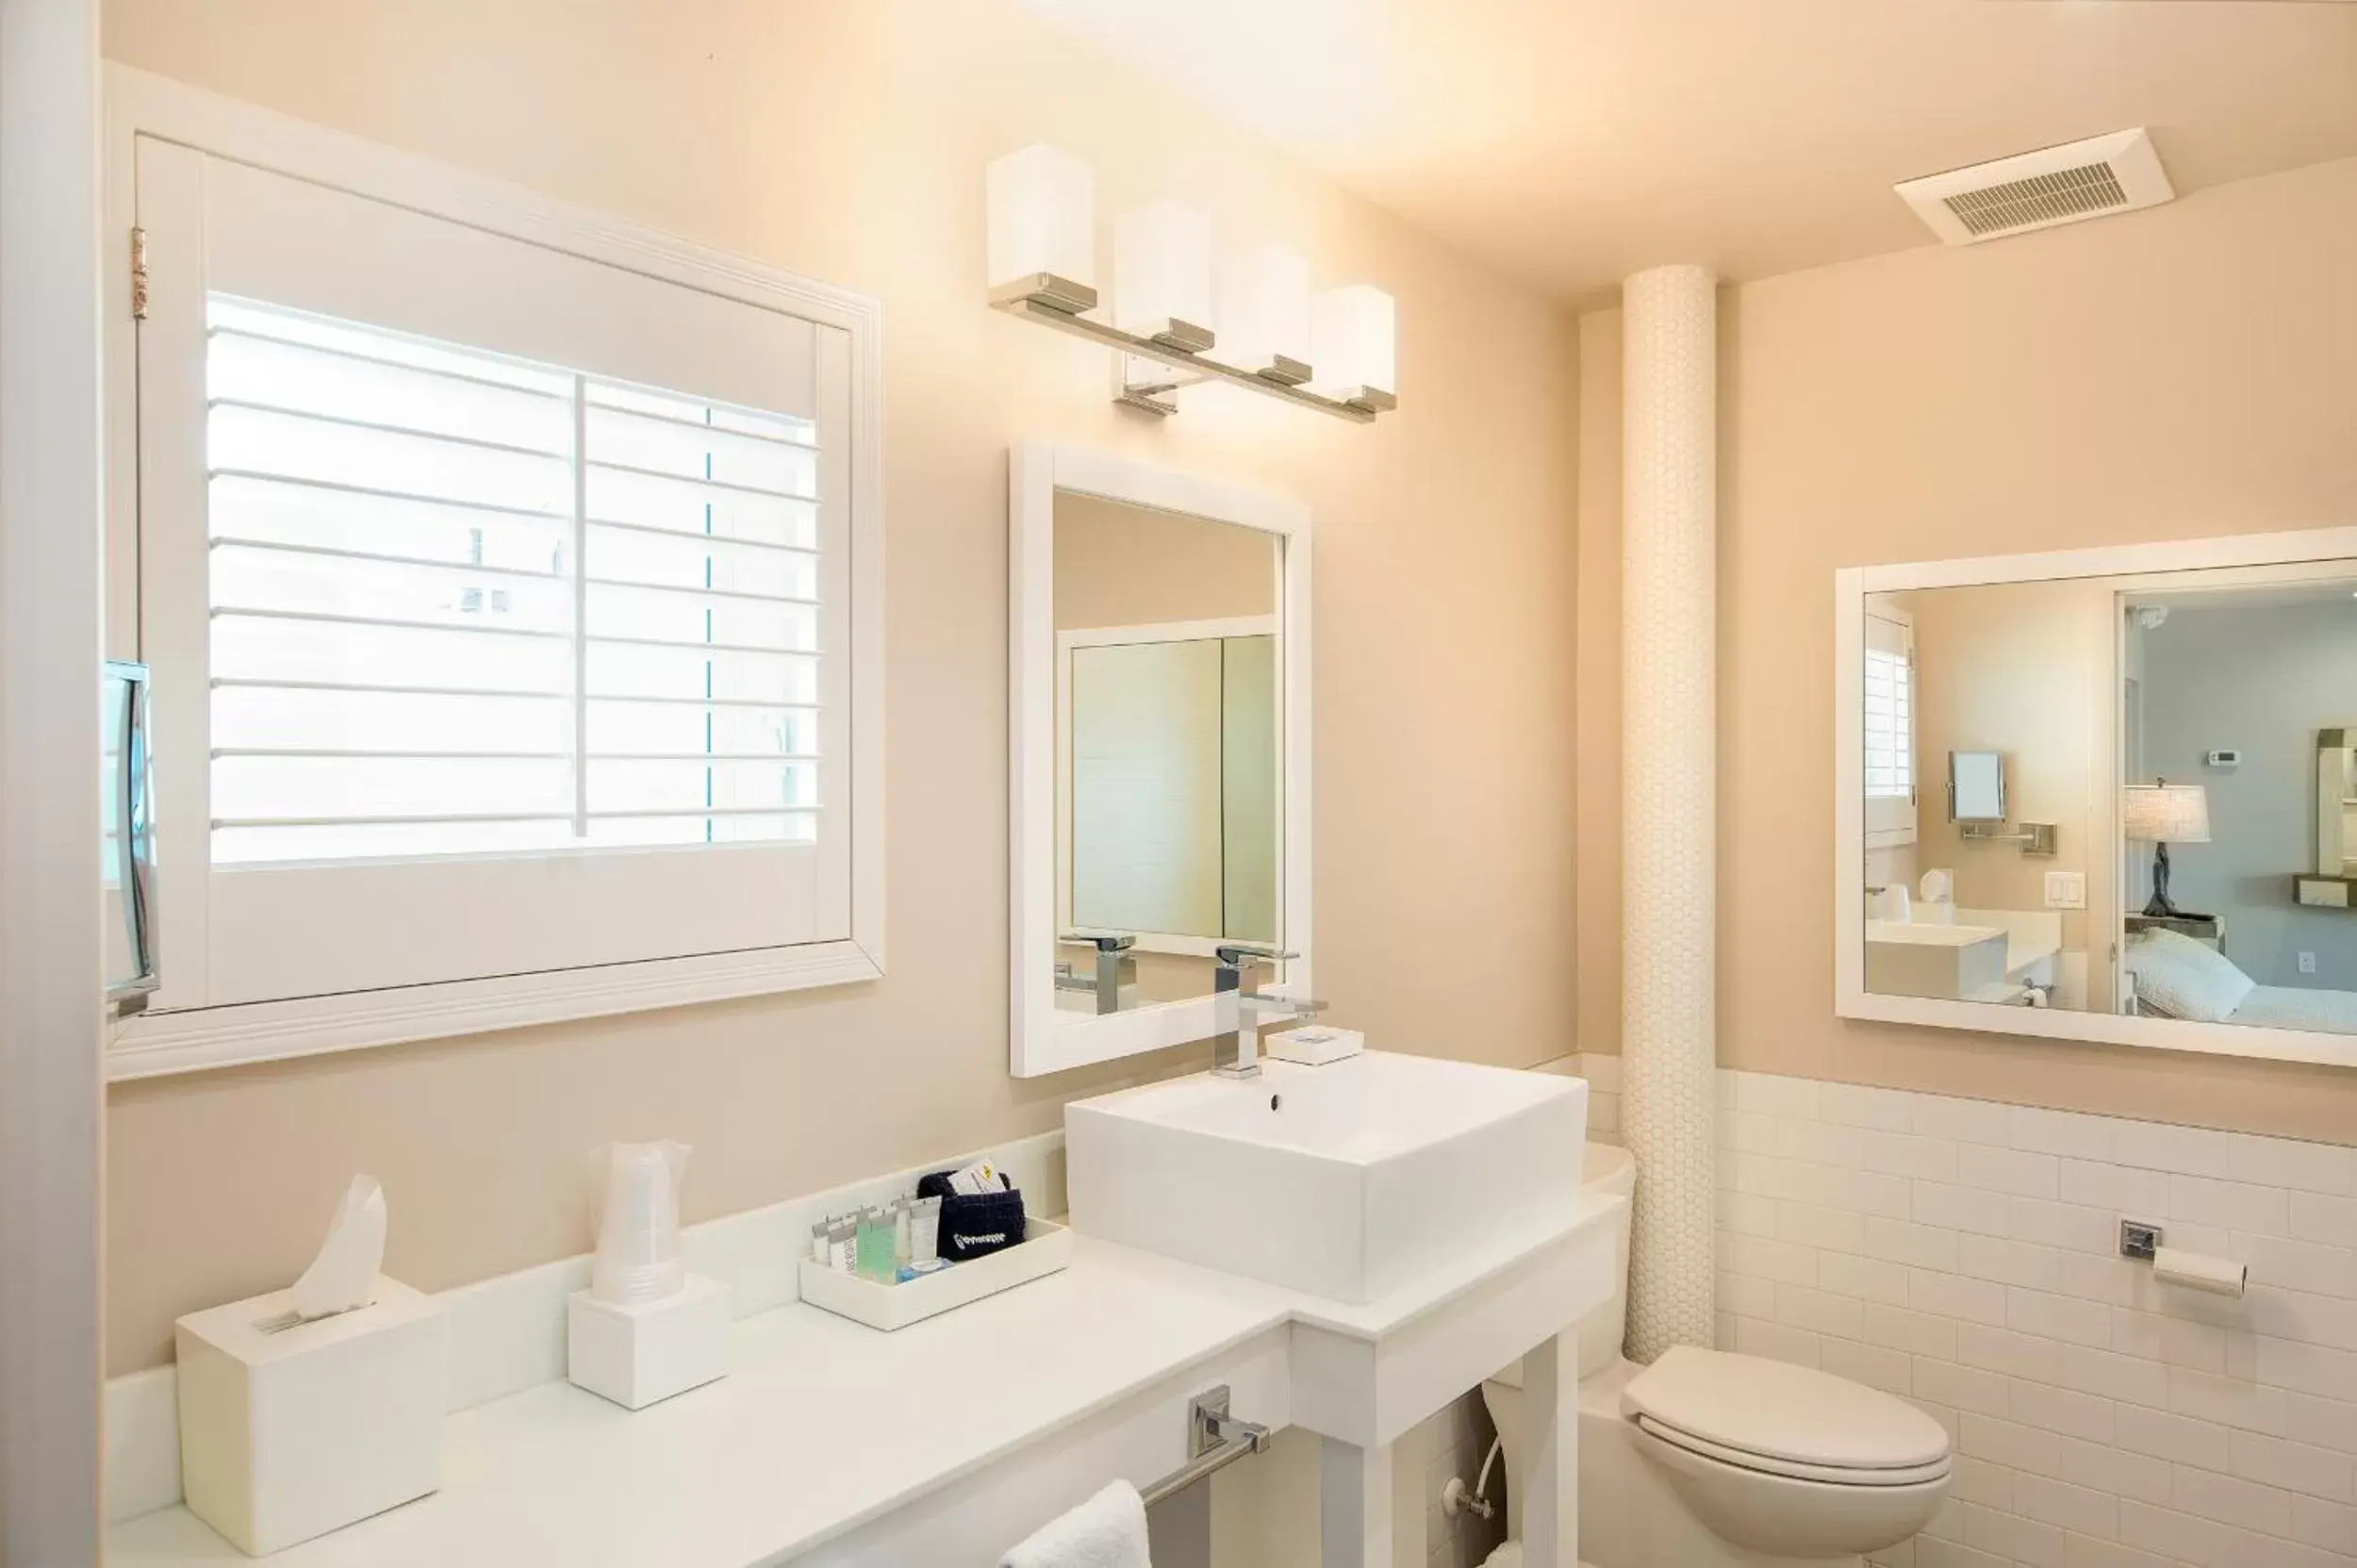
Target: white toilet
{"x": 1705, "y": 1460}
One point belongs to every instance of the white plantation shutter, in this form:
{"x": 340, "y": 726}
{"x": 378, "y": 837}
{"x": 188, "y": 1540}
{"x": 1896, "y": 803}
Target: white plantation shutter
{"x": 1889, "y": 731}
{"x": 501, "y": 600}
{"x": 702, "y": 589}
{"x": 390, "y": 527}
{"x": 407, "y": 661}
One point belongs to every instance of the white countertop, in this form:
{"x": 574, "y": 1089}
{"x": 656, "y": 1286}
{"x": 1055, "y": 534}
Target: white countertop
{"x": 1914, "y": 935}
{"x": 822, "y": 1425}
{"x": 2028, "y": 941}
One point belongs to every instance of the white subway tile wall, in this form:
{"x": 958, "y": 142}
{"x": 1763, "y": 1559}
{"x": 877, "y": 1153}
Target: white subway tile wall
{"x": 1965, "y": 1254}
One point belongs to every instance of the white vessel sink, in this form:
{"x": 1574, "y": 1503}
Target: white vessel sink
{"x": 1905, "y": 959}
{"x": 1348, "y": 1180}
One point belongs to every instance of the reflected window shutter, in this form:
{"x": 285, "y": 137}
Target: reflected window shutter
{"x": 1889, "y": 711}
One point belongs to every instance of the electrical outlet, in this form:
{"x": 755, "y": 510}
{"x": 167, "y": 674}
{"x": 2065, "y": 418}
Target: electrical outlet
{"x": 2307, "y": 964}
{"x": 2066, "y": 890}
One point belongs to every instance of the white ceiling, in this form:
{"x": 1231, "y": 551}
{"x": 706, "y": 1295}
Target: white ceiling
{"x": 1574, "y": 142}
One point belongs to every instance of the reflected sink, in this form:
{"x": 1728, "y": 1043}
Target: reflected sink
{"x": 1954, "y": 961}
{"x": 1347, "y": 1182}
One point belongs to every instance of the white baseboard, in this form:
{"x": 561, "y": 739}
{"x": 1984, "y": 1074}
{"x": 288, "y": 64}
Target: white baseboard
{"x": 507, "y": 1334}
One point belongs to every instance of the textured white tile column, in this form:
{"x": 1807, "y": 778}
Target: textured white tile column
{"x": 1668, "y": 801}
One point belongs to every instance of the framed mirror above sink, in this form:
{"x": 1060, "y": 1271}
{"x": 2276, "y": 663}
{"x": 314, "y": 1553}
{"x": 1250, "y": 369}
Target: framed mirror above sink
{"x": 2149, "y": 826}
{"x": 1159, "y": 715}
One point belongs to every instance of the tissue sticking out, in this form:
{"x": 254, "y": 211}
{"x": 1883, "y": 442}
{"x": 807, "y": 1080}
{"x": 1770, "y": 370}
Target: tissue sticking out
{"x": 639, "y": 1235}
{"x": 343, "y": 1276}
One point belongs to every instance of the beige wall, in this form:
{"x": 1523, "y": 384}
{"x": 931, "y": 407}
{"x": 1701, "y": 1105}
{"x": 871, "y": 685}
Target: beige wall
{"x": 2016, "y": 668}
{"x": 848, "y": 143}
{"x": 2173, "y": 373}
{"x": 1126, "y": 565}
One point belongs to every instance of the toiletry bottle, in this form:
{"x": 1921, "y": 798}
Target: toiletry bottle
{"x": 819, "y": 1242}
{"x": 875, "y": 1246}
{"x": 843, "y": 1246}
{"x": 925, "y": 1234}
{"x": 900, "y": 1230}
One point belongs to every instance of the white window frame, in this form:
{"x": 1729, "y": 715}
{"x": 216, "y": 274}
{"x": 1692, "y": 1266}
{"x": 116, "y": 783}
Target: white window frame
{"x": 140, "y": 103}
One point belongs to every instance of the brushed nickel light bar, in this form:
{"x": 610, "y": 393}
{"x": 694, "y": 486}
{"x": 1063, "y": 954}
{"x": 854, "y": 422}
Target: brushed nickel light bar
{"x": 1160, "y": 324}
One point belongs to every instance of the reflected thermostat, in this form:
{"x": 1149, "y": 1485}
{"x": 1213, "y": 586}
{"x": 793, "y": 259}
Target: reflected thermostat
{"x": 2229, "y": 757}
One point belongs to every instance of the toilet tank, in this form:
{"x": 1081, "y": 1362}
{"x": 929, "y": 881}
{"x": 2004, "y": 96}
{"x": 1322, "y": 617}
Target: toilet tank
{"x": 1609, "y": 1172}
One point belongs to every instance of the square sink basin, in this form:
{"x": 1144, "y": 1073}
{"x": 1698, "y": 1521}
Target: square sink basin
{"x": 1348, "y": 1180}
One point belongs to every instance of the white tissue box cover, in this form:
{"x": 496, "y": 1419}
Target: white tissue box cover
{"x": 637, "y": 1353}
{"x": 289, "y": 1435}
{"x": 1315, "y": 1044}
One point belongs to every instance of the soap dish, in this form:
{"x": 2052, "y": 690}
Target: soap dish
{"x": 1046, "y": 1248}
{"x": 1315, "y": 1045}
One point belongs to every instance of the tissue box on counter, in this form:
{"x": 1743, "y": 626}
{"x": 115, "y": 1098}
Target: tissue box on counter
{"x": 637, "y": 1352}
{"x": 288, "y": 1434}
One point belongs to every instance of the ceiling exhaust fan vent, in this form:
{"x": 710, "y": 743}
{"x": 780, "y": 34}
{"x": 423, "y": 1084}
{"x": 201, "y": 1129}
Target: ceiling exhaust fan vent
{"x": 2070, "y": 184}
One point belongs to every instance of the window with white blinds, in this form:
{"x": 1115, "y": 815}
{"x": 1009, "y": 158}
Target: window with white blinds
{"x": 1889, "y": 729}
{"x": 1889, "y": 725}
{"x": 510, "y": 581}
{"x": 466, "y": 604}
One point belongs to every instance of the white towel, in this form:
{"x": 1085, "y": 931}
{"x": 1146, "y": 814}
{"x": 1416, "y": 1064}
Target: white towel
{"x": 1106, "y": 1531}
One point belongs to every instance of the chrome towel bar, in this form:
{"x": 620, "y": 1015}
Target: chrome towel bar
{"x": 1214, "y": 1441}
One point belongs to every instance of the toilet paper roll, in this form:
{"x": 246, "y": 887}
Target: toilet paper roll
{"x": 2199, "y": 1271}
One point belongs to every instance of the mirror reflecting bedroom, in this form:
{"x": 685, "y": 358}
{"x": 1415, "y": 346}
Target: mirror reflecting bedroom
{"x": 2132, "y": 795}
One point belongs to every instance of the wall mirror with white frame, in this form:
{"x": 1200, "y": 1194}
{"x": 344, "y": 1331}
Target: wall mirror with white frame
{"x": 2104, "y": 795}
{"x": 1159, "y": 707}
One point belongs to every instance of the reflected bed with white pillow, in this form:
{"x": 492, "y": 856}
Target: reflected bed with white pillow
{"x": 2176, "y": 977}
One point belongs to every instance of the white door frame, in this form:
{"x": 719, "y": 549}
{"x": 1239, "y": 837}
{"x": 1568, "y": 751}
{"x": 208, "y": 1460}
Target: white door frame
{"x": 51, "y": 510}
{"x": 1110, "y": 636}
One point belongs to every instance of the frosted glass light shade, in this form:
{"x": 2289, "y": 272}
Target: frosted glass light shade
{"x": 2165, "y": 814}
{"x": 1163, "y": 275}
{"x": 1264, "y": 314}
{"x": 1042, "y": 228}
{"x": 1354, "y": 343}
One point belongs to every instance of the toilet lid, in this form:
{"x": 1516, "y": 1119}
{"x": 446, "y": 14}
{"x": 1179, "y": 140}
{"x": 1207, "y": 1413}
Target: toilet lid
{"x": 1829, "y": 1475}
{"x": 1773, "y": 1410}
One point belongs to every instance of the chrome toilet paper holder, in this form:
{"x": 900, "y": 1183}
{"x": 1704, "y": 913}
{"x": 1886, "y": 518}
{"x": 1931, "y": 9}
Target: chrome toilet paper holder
{"x": 2139, "y": 1240}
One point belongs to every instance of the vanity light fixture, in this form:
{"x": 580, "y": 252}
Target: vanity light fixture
{"x": 1163, "y": 275}
{"x": 1043, "y": 229}
{"x": 1354, "y": 342}
{"x": 1165, "y": 323}
{"x": 1264, "y": 314}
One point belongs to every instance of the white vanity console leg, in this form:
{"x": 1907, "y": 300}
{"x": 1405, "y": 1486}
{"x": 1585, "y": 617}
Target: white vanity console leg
{"x": 1361, "y": 1383}
{"x": 1551, "y": 1413}
{"x": 1354, "y": 1505}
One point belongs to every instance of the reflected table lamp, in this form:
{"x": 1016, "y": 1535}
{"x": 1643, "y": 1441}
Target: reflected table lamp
{"x": 2161, "y": 814}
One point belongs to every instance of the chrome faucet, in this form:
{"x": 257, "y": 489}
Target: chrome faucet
{"x": 1237, "y": 1050}
{"x": 1112, "y": 970}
